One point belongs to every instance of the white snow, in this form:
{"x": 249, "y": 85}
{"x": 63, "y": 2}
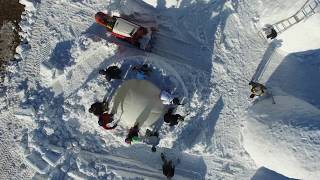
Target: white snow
{"x": 301, "y": 37}
{"x": 284, "y": 136}
{"x": 206, "y": 52}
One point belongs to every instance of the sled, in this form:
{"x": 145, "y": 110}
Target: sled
{"x": 126, "y": 30}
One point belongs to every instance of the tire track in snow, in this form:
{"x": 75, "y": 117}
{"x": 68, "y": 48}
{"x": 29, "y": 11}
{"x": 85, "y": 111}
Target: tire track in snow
{"x": 183, "y": 51}
{"x": 44, "y": 37}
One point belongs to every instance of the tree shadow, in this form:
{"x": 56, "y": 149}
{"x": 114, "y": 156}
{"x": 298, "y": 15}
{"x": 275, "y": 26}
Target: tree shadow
{"x": 61, "y": 56}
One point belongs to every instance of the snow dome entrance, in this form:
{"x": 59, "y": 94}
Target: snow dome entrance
{"x": 137, "y": 101}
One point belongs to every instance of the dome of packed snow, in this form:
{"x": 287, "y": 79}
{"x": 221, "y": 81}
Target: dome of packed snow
{"x": 138, "y": 102}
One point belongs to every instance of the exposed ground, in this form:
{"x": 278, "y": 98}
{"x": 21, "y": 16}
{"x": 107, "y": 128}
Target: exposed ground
{"x": 10, "y": 16}
{"x": 11, "y": 163}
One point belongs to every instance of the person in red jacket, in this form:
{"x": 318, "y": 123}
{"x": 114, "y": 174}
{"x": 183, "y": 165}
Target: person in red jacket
{"x": 105, "y": 119}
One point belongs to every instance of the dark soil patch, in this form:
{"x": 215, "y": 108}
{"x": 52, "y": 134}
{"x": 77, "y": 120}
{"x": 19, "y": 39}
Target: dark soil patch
{"x": 10, "y": 10}
{"x": 10, "y": 15}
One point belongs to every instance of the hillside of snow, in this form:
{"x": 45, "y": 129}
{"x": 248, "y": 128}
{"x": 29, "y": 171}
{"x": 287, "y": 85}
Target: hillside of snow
{"x": 206, "y": 52}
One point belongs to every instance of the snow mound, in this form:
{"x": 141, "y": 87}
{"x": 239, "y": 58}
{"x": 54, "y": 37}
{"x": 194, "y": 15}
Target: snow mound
{"x": 138, "y": 102}
{"x": 284, "y": 137}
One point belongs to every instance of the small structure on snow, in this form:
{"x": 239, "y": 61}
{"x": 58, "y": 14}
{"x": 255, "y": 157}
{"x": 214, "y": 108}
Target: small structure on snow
{"x": 138, "y": 102}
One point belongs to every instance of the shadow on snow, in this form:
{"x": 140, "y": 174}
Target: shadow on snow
{"x": 298, "y": 75}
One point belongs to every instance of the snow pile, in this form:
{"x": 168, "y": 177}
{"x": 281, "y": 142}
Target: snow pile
{"x": 284, "y": 136}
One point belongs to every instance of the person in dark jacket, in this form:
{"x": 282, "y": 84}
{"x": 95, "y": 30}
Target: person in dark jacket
{"x": 257, "y": 89}
{"x": 152, "y": 138}
{"x": 142, "y": 71}
{"x": 133, "y": 134}
{"x": 171, "y": 118}
{"x": 270, "y": 31}
{"x": 167, "y": 167}
{"x": 98, "y": 108}
{"x": 273, "y": 34}
{"x": 112, "y": 72}
{"x": 105, "y": 119}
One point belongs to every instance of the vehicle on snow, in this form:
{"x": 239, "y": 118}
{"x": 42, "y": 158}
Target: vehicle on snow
{"x": 126, "y": 30}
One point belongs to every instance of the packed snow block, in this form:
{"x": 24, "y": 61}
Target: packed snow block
{"x": 47, "y": 71}
{"x": 57, "y": 88}
{"x": 25, "y": 113}
{"x": 65, "y": 168}
{"x": 53, "y": 158}
{"x": 35, "y": 161}
{"x": 77, "y": 175}
{"x": 38, "y": 176}
{"x": 48, "y": 130}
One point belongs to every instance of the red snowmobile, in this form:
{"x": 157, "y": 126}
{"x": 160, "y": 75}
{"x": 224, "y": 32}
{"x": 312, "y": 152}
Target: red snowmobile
{"x": 124, "y": 29}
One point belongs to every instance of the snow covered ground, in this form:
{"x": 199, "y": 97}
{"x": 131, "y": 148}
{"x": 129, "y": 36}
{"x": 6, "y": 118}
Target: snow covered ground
{"x": 207, "y": 51}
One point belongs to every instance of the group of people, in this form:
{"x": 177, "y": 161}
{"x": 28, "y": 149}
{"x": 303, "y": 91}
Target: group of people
{"x": 100, "y": 109}
{"x": 151, "y": 137}
{"x": 114, "y": 72}
{"x": 258, "y": 89}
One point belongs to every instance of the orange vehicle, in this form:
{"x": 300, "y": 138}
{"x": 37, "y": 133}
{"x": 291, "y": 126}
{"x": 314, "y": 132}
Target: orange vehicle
{"x": 128, "y": 31}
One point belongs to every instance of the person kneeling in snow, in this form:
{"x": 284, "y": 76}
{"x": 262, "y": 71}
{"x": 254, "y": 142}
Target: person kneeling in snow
{"x": 257, "y": 89}
{"x": 98, "y": 108}
{"x": 152, "y": 138}
{"x": 142, "y": 71}
{"x": 270, "y": 31}
{"x": 168, "y": 98}
{"x": 171, "y": 118}
{"x": 167, "y": 167}
{"x": 105, "y": 119}
{"x": 112, "y": 72}
{"x": 133, "y": 134}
